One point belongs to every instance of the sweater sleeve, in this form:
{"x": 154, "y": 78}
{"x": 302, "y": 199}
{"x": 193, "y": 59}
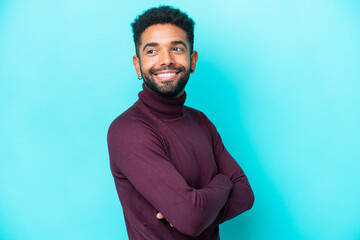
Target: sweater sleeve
{"x": 241, "y": 197}
{"x": 138, "y": 153}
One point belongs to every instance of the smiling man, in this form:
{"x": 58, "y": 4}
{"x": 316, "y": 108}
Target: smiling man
{"x": 173, "y": 175}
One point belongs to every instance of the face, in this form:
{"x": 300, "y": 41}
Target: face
{"x": 164, "y": 59}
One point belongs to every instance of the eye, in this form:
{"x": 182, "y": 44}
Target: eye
{"x": 177, "y": 49}
{"x": 151, "y": 51}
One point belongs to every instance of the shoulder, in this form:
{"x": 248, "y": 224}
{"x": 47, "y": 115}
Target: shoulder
{"x": 194, "y": 112}
{"x": 133, "y": 125}
{"x": 197, "y": 114}
{"x": 205, "y": 122}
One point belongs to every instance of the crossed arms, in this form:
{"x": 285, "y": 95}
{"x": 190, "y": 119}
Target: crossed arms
{"x": 141, "y": 158}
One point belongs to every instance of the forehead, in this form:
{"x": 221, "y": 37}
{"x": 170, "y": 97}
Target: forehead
{"x": 163, "y": 34}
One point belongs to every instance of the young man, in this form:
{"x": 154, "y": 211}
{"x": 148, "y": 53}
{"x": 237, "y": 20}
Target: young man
{"x": 173, "y": 175}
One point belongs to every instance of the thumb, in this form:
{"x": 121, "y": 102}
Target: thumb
{"x": 159, "y": 216}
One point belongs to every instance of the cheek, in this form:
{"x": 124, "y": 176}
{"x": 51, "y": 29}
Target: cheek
{"x": 184, "y": 61}
{"x": 147, "y": 64}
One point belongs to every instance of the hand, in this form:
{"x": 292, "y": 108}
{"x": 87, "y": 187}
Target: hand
{"x": 161, "y": 217}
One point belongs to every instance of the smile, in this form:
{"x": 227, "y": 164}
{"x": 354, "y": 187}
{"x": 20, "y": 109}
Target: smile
{"x": 166, "y": 75}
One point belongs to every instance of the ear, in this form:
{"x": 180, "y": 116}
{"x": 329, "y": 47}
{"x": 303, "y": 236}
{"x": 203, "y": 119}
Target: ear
{"x": 193, "y": 60}
{"x": 136, "y": 62}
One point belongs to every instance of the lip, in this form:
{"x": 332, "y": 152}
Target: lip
{"x": 166, "y": 75}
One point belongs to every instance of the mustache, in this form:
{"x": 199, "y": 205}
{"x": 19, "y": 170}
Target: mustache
{"x": 154, "y": 70}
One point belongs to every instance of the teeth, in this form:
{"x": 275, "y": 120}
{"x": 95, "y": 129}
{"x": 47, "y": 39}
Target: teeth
{"x": 166, "y": 74}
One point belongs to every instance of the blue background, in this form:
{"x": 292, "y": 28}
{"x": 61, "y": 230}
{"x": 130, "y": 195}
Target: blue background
{"x": 280, "y": 79}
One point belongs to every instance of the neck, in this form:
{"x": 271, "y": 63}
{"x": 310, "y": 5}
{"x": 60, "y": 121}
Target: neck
{"x": 163, "y": 107}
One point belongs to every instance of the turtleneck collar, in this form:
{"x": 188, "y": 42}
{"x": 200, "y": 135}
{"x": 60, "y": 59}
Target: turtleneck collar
{"x": 163, "y": 107}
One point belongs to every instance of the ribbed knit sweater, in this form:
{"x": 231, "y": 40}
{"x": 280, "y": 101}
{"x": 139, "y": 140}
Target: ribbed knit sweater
{"x": 169, "y": 158}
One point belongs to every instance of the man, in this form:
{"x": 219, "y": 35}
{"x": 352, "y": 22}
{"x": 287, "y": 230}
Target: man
{"x": 173, "y": 175}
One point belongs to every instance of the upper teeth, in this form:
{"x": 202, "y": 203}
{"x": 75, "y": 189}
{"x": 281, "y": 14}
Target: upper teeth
{"x": 166, "y": 74}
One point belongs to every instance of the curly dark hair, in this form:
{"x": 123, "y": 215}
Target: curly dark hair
{"x": 162, "y": 15}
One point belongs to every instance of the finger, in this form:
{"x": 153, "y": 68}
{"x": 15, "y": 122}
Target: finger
{"x": 159, "y": 216}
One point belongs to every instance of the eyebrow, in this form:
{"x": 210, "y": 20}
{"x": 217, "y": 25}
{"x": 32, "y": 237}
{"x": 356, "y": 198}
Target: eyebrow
{"x": 150, "y": 44}
{"x": 179, "y": 42}
{"x": 155, "y": 44}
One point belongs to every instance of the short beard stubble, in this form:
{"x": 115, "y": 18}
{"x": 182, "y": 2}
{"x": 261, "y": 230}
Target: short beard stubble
{"x": 169, "y": 89}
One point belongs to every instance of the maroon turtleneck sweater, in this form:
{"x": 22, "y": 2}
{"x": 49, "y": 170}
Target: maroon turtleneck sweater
{"x": 166, "y": 157}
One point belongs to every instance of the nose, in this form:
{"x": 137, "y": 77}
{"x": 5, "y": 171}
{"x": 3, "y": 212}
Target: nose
{"x": 166, "y": 58}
